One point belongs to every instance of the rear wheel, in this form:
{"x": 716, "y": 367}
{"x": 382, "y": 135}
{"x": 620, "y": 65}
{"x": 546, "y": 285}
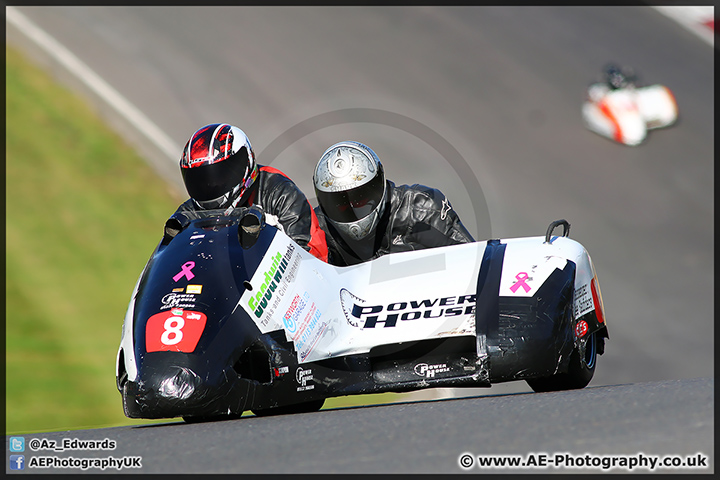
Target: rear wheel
{"x": 580, "y": 370}
{"x": 306, "y": 407}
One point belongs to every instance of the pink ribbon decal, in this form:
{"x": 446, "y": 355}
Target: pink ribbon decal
{"x": 521, "y": 277}
{"x": 186, "y": 271}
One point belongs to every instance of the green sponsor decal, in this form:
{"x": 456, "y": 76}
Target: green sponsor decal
{"x": 259, "y": 301}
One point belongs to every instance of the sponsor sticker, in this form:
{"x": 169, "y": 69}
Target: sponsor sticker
{"x": 304, "y": 377}
{"x": 293, "y": 313}
{"x": 302, "y": 324}
{"x": 174, "y": 331}
{"x": 430, "y": 370}
{"x": 583, "y": 301}
{"x": 194, "y": 289}
{"x": 178, "y": 300}
{"x": 269, "y": 279}
{"x": 581, "y": 329}
{"x": 399, "y": 313}
{"x": 280, "y": 371}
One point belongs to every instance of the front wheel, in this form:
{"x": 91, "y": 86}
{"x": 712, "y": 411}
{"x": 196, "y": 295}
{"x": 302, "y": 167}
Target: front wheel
{"x": 580, "y": 370}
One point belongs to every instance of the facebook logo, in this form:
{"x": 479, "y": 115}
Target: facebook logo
{"x": 17, "y": 462}
{"x": 17, "y": 444}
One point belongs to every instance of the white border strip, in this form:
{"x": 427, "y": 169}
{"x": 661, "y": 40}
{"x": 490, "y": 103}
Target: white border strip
{"x": 94, "y": 82}
{"x": 692, "y": 18}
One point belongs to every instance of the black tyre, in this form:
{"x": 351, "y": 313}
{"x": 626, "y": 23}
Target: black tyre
{"x": 580, "y": 370}
{"x": 306, "y": 407}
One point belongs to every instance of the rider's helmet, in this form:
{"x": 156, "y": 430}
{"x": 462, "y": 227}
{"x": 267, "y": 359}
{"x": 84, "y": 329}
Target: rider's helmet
{"x": 617, "y": 77}
{"x": 218, "y": 166}
{"x": 350, "y": 187}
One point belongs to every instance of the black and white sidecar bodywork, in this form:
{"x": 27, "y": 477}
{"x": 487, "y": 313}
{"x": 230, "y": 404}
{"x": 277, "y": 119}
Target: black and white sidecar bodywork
{"x": 231, "y": 315}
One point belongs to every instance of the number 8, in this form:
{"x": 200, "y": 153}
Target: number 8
{"x": 175, "y": 330}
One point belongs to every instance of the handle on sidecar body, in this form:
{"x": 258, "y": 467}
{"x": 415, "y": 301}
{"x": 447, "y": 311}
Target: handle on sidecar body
{"x": 555, "y": 224}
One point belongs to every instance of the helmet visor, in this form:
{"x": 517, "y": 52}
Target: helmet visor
{"x": 212, "y": 181}
{"x": 354, "y": 204}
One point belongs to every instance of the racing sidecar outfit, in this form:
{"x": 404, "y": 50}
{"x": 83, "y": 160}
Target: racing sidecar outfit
{"x": 416, "y": 217}
{"x": 626, "y": 114}
{"x": 614, "y": 113}
{"x": 285, "y": 206}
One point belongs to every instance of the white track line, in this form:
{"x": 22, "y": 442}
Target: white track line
{"x": 94, "y": 82}
{"x": 692, "y": 18}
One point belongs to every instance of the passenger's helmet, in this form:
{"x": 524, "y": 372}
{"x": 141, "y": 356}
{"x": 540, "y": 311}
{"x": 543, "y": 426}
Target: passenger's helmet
{"x": 617, "y": 77}
{"x": 350, "y": 187}
{"x": 218, "y": 166}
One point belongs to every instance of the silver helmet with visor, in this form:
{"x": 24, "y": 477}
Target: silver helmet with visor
{"x": 350, "y": 188}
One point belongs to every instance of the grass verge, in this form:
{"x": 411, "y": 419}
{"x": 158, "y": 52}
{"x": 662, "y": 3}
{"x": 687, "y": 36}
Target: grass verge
{"x": 83, "y": 214}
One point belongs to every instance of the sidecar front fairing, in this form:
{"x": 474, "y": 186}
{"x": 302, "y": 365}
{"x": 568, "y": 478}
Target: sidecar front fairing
{"x": 219, "y": 325}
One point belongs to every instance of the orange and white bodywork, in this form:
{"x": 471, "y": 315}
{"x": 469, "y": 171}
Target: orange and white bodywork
{"x": 626, "y": 115}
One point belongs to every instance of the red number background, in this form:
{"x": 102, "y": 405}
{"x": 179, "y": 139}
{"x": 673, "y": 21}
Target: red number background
{"x": 194, "y": 324}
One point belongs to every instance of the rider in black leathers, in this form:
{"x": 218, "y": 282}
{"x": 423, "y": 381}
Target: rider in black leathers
{"x": 219, "y": 170}
{"x": 365, "y": 219}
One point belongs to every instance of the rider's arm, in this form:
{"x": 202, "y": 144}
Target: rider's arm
{"x": 288, "y": 203}
{"x": 436, "y": 222}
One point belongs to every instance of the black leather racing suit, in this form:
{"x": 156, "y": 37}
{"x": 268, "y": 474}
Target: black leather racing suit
{"x": 282, "y": 200}
{"x": 415, "y": 217}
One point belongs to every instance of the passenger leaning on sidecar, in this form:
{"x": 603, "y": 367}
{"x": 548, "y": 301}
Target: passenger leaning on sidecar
{"x": 365, "y": 216}
{"x": 219, "y": 170}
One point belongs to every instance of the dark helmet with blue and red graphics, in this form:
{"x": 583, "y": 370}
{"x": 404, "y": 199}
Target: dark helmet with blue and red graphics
{"x": 218, "y": 166}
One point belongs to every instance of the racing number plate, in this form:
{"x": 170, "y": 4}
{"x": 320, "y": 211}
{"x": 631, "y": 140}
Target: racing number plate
{"x": 175, "y": 331}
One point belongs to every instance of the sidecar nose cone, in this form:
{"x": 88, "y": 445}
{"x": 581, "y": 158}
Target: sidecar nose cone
{"x": 179, "y": 386}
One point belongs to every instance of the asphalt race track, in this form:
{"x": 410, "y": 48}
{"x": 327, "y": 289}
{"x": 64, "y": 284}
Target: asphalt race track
{"x": 648, "y": 420}
{"x": 484, "y": 104}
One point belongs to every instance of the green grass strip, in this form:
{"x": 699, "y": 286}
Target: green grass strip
{"x": 83, "y": 214}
